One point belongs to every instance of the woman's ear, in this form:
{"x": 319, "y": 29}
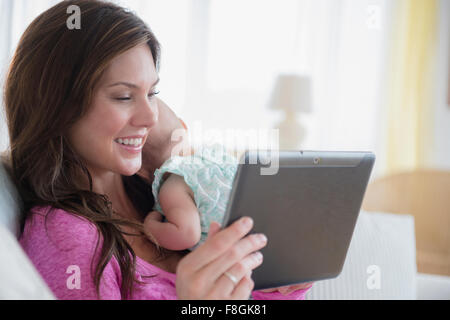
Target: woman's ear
{"x": 184, "y": 124}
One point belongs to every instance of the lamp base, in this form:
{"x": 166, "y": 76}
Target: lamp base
{"x": 291, "y": 132}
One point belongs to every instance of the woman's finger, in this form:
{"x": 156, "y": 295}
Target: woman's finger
{"x": 214, "y": 227}
{"x": 238, "y": 271}
{"x": 217, "y": 245}
{"x": 243, "y": 290}
{"x": 236, "y": 257}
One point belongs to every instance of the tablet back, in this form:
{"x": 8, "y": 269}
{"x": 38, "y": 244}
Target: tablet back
{"x": 308, "y": 210}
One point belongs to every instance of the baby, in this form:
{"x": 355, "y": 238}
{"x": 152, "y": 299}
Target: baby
{"x": 191, "y": 188}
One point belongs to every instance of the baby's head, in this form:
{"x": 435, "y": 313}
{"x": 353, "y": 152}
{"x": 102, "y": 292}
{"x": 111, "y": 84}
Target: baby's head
{"x": 169, "y": 132}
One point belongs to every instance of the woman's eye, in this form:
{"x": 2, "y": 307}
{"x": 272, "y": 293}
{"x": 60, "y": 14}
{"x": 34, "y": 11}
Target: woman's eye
{"x": 153, "y": 94}
{"x": 150, "y": 95}
{"x": 123, "y": 98}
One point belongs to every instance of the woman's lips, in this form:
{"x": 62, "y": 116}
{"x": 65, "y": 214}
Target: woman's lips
{"x": 132, "y": 137}
{"x": 131, "y": 143}
{"x": 129, "y": 148}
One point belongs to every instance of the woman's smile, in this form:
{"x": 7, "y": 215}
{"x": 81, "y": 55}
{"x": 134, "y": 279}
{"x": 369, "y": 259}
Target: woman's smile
{"x": 132, "y": 144}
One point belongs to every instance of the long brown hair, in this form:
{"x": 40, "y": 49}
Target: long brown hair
{"x": 49, "y": 86}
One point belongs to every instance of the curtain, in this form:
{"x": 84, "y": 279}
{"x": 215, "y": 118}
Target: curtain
{"x": 220, "y": 60}
{"x": 410, "y": 103}
{"x": 5, "y": 44}
{"x": 15, "y": 16}
{"x": 341, "y": 45}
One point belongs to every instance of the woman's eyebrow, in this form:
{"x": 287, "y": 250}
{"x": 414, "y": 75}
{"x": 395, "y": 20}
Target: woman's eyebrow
{"x": 130, "y": 85}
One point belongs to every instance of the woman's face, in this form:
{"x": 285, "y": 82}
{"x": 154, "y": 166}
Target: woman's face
{"x": 124, "y": 107}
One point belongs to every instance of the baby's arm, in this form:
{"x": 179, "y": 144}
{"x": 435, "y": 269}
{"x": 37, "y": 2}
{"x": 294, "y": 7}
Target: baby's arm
{"x": 182, "y": 229}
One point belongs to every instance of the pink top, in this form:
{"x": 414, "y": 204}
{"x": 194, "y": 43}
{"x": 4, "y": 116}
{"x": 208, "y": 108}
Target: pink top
{"x": 62, "y": 252}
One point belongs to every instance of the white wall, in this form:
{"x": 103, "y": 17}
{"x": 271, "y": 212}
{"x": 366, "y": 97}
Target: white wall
{"x": 440, "y": 147}
{"x": 5, "y": 40}
{"x": 175, "y": 92}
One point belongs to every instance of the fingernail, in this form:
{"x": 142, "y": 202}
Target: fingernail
{"x": 258, "y": 256}
{"x": 262, "y": 238}
{"x": 246, "y": 221}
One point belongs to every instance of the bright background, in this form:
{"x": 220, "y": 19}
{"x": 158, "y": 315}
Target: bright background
{"x": 375, "y": 87}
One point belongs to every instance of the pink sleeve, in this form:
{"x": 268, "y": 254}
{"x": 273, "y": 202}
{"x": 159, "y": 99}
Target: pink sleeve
{"x": 62, "y": 251}
{"x": 276, "y": 295}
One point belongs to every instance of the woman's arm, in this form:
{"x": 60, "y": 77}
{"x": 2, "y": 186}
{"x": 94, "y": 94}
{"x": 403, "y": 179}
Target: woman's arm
{"x": 182, "y": 229}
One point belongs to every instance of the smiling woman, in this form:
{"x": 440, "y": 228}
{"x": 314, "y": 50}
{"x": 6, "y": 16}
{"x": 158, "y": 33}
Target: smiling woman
{"x": 63, "y": 131}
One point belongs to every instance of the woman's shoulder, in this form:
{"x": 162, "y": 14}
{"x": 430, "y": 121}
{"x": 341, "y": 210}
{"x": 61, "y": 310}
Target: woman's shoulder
{"x": 61, "y": 219}
{"x": 64, "y": 247}
{"x": 64, "y": 229}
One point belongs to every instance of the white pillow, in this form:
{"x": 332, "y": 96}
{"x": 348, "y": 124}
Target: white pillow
{"x": 380, "y": 263}
{"x": 9, "y": 203}
{"x": 18, "y": 278}
{"x": 433, "y": 287}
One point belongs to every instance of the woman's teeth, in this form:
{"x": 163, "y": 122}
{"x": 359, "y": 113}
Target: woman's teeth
{"x": 130, "y": 142}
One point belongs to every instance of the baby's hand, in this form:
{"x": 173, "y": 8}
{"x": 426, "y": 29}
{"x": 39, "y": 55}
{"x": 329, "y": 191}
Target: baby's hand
{"x": 154, "y": 215}
{"x": 150, "y": 219}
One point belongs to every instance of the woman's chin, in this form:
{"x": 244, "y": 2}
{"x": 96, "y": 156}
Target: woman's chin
{"x": 130, "y": 169}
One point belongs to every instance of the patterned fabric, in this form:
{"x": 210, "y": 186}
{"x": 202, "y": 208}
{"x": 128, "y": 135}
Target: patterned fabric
{"x": 209, "y": 173}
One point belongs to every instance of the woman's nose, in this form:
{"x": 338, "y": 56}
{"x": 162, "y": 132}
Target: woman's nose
{"x": 147, "y": 113}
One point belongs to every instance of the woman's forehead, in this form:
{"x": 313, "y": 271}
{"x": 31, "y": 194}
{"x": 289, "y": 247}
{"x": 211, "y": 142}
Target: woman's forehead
{"x": 134, "y": 66}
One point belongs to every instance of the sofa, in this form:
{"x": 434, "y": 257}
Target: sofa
{"x": 380, "y": 263}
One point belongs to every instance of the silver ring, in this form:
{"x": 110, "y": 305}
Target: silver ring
{"x": 231, "y": 277}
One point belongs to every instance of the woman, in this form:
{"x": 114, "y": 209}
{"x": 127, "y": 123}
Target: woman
{"x": 70, "y": 95}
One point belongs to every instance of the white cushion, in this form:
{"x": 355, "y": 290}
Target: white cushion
{"x": 9, "y": 203}
{"x": 433, "y": 287}
{"x": 380, "y": 263}
{"x": 18, "y": 277}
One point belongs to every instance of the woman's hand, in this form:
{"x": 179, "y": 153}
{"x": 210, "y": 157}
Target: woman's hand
{"x": 201, "y": 273}
{"x": 289, "y": 289}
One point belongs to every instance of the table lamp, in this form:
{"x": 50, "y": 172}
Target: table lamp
{"x": 292, "y": 94}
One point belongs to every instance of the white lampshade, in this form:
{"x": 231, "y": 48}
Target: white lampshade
{"x": 292, "y": 92}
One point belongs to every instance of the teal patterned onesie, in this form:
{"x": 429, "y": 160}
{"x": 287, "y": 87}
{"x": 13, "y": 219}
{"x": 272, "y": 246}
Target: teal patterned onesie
{"x": 210, "y": 174}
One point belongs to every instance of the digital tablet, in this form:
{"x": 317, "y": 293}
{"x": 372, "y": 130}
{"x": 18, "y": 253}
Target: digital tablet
{"x": 306, "y": 203}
